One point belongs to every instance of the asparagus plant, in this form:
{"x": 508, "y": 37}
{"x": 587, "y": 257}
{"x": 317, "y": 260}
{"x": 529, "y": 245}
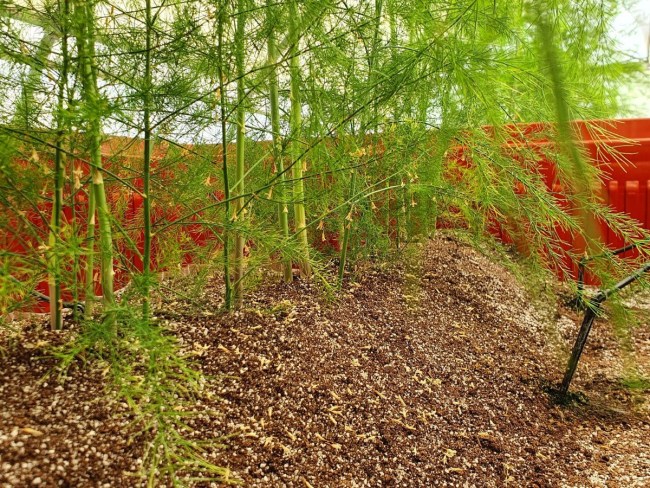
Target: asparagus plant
{"x": 295, "y": 122}
{"x": 278, "y": 156}
{"x": 85, "y": 41}
{"x": 146, "y": 169}
{"x": 54, "y": 275}
{"x": 239, "y": 210}
{"x": 221, "y": 22}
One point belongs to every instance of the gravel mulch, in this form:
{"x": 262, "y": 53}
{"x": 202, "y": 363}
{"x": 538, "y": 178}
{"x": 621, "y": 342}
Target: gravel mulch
{"x": 60, "y": 431}
{"x": 432, "y": 374}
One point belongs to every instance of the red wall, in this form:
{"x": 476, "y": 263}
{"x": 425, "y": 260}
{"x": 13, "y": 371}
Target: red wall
{"x": 626, "y": 170}
{"x": 626, "y": 188}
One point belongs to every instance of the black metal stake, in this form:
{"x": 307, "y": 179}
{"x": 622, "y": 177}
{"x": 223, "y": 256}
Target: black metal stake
{"x": 582, "y": 264}
{"x": 590, "y": 315}
{"x": 579, "y": 302}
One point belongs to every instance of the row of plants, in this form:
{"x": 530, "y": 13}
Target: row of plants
{"x": 288, "y": 135}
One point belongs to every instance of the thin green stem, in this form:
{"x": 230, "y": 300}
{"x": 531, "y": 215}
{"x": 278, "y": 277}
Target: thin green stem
{"x": 283, "y": 210}
{"x": 224, "y": 160}
{"x": 146, "y": 176}
{"x": 295, "y": 123}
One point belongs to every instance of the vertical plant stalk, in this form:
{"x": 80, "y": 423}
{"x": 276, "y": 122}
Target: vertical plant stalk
{"x": 90, "y": 257}
{"x": 347, "y": 225}
{"x": 78, "y": 285}
{"x": 580, "y": 174}
{"x": 54, "y": 264}
{"x": 398, "y": 209}
{"x": 392, "y": 21}
{"x": 365, "y": 126}
{"x": 408, "y": 214}
{"x": 240, "y": 34}
{"x": 283, "y": 211}
{"x": 146, "y": 177}
{"x": 403, "y": 212}
{"x": 372, "y": 59}
{"x": 224, "y": 162}
{"x": 86, "y": 47}
{"x": 295, "y": 121}
{"x": 76, "y": 263}
{"x": 53, "y": 261}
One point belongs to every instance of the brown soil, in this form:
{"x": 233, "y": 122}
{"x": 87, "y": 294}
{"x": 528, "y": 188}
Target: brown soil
{"x": 433, "y": 374}
{"x": 57, "y": 431}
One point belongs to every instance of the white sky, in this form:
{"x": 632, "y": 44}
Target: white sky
{"x": 632, "y": 30}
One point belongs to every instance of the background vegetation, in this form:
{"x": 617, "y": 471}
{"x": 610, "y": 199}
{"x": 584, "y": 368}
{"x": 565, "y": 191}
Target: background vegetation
{"x": 302, "y": 138}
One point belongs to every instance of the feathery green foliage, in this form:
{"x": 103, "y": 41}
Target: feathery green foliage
{"x": 284, "y": 133}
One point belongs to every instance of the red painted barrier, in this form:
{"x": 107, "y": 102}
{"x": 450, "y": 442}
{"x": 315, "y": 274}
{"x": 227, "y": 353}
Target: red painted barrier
{"x": 621, "y": 149}
{"x": 126, "y": 207}
{"x": 626, "y": 188}
{"x": 627, "y": 171}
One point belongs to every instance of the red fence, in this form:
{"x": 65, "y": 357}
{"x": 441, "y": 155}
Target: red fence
{"x": 621, "y": 149}
{"x": 627, "y": 186}
{"x": 24, "y": 234}
{"x": 626, "y": 169}
{"x": 626, "y": 189}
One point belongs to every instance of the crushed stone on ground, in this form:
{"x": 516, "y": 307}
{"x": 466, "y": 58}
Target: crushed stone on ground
{"x": 433, "y": 374}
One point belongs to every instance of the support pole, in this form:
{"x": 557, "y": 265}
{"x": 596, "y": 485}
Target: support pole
{"x": 590, "y": 315}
